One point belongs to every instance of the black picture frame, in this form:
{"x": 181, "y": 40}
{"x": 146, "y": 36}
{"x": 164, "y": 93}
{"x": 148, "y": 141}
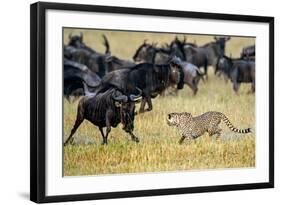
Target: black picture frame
{"x": 38, "y": 101}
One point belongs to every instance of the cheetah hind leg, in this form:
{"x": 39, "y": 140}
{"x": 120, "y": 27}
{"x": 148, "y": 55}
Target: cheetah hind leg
{"x": 215, "y": 131}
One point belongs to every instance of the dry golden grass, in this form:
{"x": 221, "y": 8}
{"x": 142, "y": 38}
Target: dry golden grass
{"x": 158, "y": 149}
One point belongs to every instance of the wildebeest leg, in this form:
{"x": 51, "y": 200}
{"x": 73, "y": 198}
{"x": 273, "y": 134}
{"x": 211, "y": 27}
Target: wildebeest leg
{"x": 133, "y": 137}
{"x": 102, "y": 134}
{"x": 67, "y": 98}
{"x": 192, "y": 85}
{"x": 148, "y": 99}
{"x": 108, "y": 127}
{"x": 143, "y": 101}
{"x": 176, "y": 91}
{"x": 225, "y": 78}
{"x": 79, "y": 120}
{"x": 104, "y": 139}
{"x": 206, "y": 69}
{"x": 196, "y": 80}
{"x": 253, "y": 87}
{"x": 206, "y": 72}
{"x": 236, "y": 86}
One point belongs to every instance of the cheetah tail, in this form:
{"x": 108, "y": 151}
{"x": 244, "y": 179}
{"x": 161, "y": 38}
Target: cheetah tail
{"x": 234, "y": 129}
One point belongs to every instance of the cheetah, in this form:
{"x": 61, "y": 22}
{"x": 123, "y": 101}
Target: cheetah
{"x": 193, "y": 127}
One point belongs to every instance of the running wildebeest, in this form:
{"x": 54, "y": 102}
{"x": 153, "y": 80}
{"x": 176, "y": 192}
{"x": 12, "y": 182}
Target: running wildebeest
{"x": 238, "y": 71}
{"x": 107, "y": 109}
{"x": 248, "y": 53}
{"x": 76, "y": 77}
{"x": 205, "y": 55}
{"x": 192, "y": 74}
{"x": 152, "y": 79}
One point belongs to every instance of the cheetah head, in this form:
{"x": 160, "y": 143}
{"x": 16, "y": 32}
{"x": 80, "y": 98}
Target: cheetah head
{"x": 174, "y": 119}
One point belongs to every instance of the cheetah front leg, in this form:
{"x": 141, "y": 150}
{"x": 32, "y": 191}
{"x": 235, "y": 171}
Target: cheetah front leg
{"x": 181, "y": 139}
{"x": 189, "y": 136}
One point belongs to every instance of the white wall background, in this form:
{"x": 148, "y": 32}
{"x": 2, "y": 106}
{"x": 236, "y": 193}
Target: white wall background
{"x": 14, "y": 101}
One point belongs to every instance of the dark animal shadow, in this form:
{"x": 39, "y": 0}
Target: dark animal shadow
{"x": 24, "y": 195}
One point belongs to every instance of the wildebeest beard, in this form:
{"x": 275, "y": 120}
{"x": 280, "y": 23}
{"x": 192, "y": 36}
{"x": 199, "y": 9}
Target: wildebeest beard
{"x": 127, "y": 118}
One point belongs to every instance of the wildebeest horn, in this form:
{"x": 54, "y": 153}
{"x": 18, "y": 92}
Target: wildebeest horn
{"x": 81, "y": 36}
{"x": 216, "y": 38}
{"x": 120, "y": 98}
{"x": 109, "y": 58}
{"x": 136, "y": 97}
{"x": 70, "y": 35}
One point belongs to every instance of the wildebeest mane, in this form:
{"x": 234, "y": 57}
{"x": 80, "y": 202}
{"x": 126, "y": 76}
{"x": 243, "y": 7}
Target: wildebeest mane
{"x": 138, "y": 50}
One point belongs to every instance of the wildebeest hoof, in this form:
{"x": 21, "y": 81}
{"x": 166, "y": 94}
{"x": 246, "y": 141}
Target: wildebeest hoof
{"x": 136, "y": 140}
{"x": 69, "y": 142}
{"x": 104, "y": 143}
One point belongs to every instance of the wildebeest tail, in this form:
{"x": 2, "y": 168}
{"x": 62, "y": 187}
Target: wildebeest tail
{"x": 234, "y": 129}
{"x": 181, "y": 81}
{"x": 106, "y": 44}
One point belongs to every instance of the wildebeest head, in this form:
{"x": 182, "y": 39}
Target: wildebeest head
{"x": 177, "y": 48}
{"x": 76, "y": 40}
{"x": 126, "y": 105}
{"x": 176, "y": 43}
{"x": 221, "y": 42}
{"x": 224, "y": 64}
{"x": 145, "y": 53}
{"x": 248, "y": 52}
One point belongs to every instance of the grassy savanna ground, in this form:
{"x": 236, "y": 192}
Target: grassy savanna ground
{"x": 158, "y": 149}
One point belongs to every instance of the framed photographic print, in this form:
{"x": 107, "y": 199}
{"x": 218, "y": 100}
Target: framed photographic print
{"x": 129, "y": 102}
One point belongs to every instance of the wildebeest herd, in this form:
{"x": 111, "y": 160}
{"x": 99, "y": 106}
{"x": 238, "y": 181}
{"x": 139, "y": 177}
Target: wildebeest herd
{"x": 111, "y": 86}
